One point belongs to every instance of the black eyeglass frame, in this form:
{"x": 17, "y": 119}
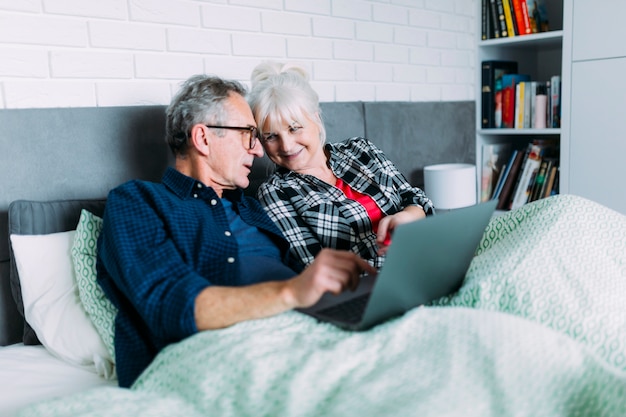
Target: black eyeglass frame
{"x": 254, "y": 132}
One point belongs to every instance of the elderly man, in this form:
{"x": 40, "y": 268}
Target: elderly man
{"x": 193, "y": 253}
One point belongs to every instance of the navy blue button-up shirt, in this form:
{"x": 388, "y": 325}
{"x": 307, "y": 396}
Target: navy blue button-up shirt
{"x": 160, "y": 246}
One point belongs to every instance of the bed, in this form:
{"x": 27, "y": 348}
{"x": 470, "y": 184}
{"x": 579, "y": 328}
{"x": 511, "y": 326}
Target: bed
{"x": 525, "y": 335}
{"x": 536, "y": 329}
{"x": 69, "y": 158}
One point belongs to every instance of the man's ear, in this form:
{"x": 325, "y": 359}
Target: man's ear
{"x": 200, "y": 138}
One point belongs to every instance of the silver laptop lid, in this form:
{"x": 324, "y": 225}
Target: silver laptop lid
{"x": 427, "y": 260}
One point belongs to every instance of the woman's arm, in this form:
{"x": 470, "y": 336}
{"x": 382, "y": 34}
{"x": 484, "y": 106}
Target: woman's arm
{"x": 414, "y": 203}
{"x": 409, "y": 195}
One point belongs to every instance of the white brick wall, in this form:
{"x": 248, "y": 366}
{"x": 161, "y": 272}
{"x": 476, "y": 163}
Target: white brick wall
{"x": 75, "y": 53}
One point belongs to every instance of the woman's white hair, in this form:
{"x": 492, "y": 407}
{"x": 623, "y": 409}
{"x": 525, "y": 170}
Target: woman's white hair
{"x": 282, "y": 93}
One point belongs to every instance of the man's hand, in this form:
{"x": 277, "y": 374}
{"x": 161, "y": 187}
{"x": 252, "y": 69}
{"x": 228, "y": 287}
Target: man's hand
{"x": 332, "y": 271}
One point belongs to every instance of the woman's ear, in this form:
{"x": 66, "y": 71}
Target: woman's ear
{"x": 200, "y": 138}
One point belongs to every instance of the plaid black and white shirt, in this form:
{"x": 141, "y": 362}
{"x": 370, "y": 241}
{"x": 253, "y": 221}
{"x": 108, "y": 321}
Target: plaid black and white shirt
{"x": 314, "y": 214}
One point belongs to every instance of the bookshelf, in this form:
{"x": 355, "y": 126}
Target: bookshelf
{"x": 539, "y": 55}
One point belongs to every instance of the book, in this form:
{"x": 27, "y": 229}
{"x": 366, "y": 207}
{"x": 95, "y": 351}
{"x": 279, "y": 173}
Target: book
{"x": 520, "y": 196}
{"x": 484, "y": 15}
{"x": 529, "y": 103}
{"x": 488, "y": 21}
{"x": 527, "y": 28}
{"x": 555, "y": 101}
{"x": 531, "y": 182}
{"x": 520, "y": 11}
{"x": 552, "y": 188}
{"x": 548, "y": 97}
{"x": 494, "y": 156}
{"x": 539, "y": 181}
{"x": 508, "y": 18}
{"x": 495, "y": 22}
{"x": 536, "y": 151}
{"x": 498, "y": 103}
{"x": 509, "y": 83}
{"x": 508, "y": 104}
{"x": 549, "y": 181}
{"x": 550, "y": 163}
{"x": 501, "y": 20}
{"x": 504, "y": 197}
{"x": 498, "y": 183}
{"x": 519, "y": 174}
{"x": 529, "y": 116}
{"x": 504, "y": 175}
{"x": 491, "y": 72}
{"x": 538, "y": 15}
{"x": 520, "y": 103}
{"x": 540, "y": 106}
{"x": 515, "y": 29}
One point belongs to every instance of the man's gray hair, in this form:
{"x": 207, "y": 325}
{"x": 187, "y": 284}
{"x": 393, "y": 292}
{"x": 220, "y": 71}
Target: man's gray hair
{"x": 200, "y": 99}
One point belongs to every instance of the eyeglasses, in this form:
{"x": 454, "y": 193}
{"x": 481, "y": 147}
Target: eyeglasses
{"x": 252, "y": 131}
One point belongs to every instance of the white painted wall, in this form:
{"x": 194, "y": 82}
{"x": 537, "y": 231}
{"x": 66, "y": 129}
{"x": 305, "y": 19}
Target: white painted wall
{"x": 83, "y": 53}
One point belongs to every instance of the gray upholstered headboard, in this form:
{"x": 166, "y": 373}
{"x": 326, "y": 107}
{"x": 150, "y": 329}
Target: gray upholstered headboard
{"x": 81, "y": 153}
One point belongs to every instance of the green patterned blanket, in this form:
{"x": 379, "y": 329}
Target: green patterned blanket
{"x": 537, "y": 329}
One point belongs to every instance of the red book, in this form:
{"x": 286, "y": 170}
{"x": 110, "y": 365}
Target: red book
{"x": 508, "y": 106}
{"x": 520, "y": 11}
{"x": 509, "y": 81}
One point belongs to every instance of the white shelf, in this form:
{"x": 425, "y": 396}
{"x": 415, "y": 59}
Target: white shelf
{"x": 544, "y": 39}
{"x": 519, "y": 132}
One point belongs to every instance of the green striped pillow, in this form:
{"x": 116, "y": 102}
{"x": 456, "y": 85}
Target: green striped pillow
{"x": 84, "y": 253}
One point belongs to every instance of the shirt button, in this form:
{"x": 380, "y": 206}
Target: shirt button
{"x": 199, "y": 185}
{"x": 227, "y": 233}
{"x": 195, "y": 196}
{"x": 213, "y": 202}
{"x": 230, "y": 260}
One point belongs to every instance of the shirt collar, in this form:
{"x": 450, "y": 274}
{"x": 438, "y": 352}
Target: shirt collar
{"x": 179, "y": 183}
{"x": 184, "y": 186}
{"x": 332, "y": 156}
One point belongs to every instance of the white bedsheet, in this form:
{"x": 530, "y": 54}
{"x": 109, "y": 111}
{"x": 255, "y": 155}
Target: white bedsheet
{"x": 29, "y": 374}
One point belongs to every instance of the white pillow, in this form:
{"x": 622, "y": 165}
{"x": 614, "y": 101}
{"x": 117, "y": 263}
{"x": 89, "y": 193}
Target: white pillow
{"x": 51, "y": 302}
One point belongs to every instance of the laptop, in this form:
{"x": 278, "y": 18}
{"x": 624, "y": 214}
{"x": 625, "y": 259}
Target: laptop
{"x": 426, "y": 260}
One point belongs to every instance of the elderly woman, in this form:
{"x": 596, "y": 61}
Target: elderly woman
{"x": 344, "y": 195}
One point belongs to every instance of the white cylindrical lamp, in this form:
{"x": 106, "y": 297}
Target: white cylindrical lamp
{"x": 450, "y": 186}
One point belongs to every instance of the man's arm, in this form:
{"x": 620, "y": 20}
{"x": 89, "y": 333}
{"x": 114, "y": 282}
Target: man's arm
{"x": 331, "y": 271}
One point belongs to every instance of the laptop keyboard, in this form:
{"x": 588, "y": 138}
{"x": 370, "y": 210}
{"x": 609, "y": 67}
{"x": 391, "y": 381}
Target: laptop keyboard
{"x": 350, "y": 311}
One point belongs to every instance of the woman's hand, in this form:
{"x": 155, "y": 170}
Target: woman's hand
{"x": 388, "y": 223}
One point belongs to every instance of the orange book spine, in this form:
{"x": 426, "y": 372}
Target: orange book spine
{"x": 520, "y": 11}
